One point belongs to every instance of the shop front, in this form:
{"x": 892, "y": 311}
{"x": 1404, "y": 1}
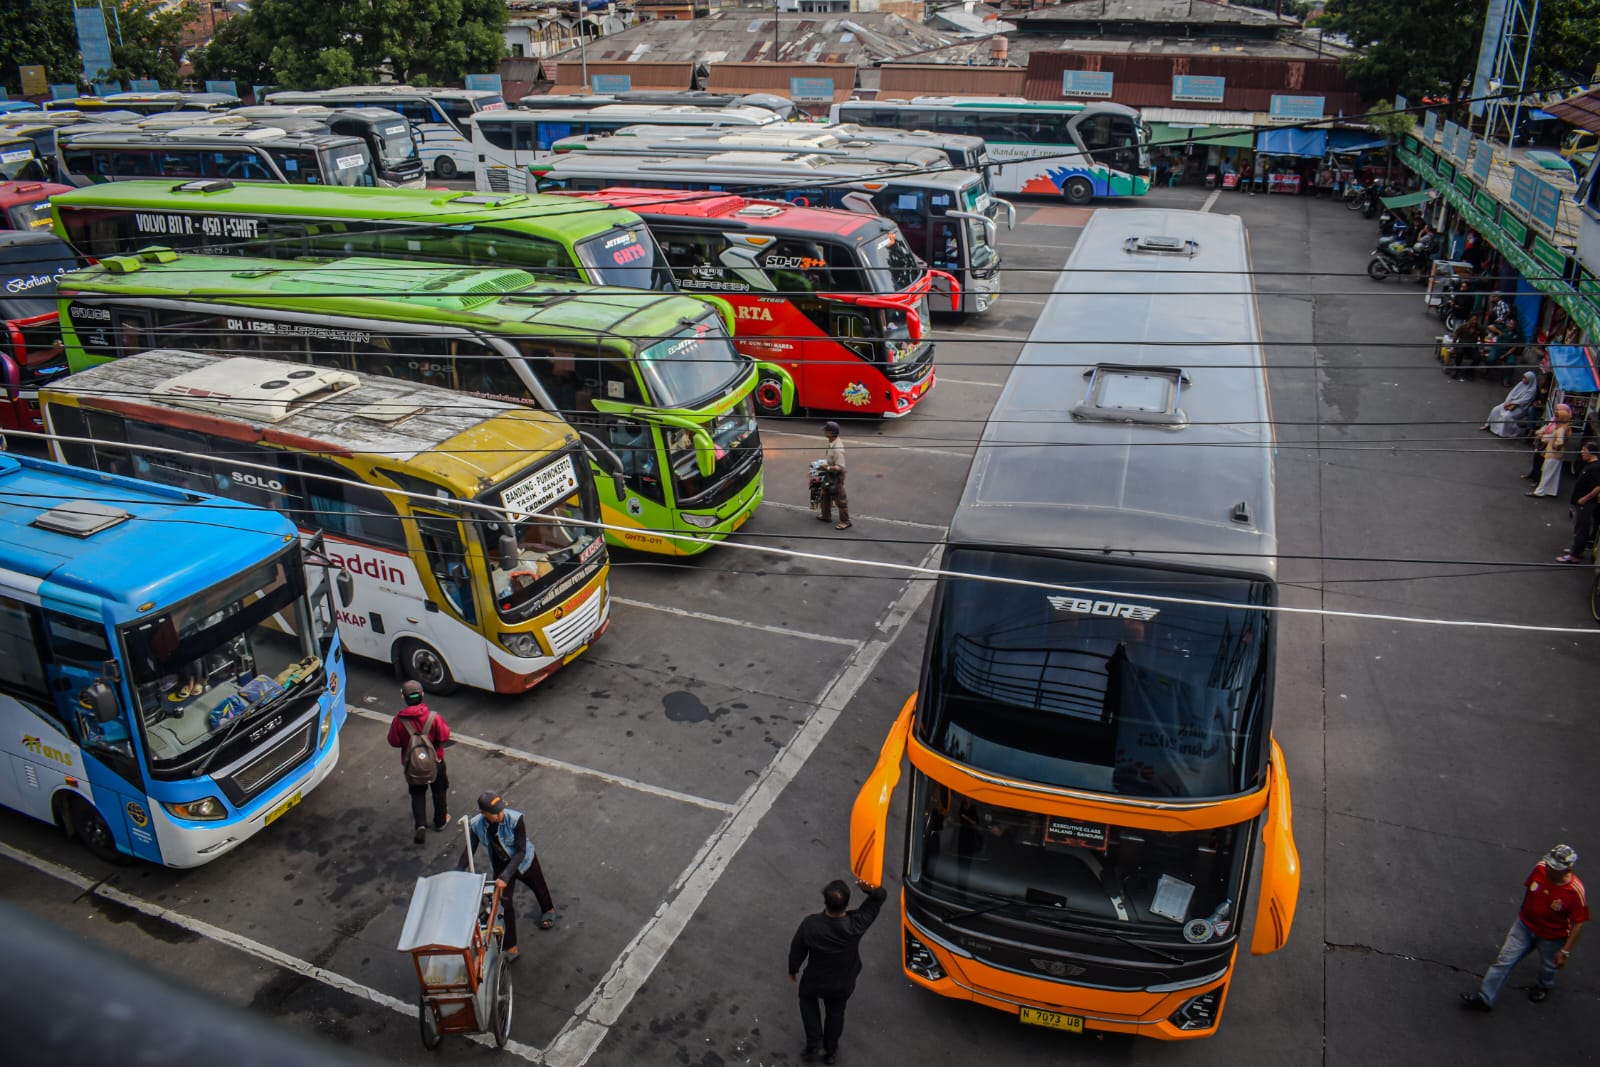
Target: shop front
{"x": 1211, "y": 149}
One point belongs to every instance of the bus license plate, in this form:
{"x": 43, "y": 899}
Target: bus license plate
{"x": 574, "y": 654}
{"x": 1053, "y": 1019}
{"x": 289, "y": 802}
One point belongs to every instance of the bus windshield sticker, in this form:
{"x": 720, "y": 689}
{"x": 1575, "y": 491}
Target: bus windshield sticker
{"x": 346, "y": 162}
{"x": 1172, "y": 898}
{"x": 1107, "y": 608}
{"x": 1060, "y": 830}
{"x": 16, "y": 155}
{"x": 540, "y": 489}
{"x": 393, "y": 131}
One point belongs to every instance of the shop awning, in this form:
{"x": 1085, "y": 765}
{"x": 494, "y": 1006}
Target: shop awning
{"x": 1573, "y": 369}
{"x": 1407, "y": 199}
{"x": 1311, "y": 144}
{"x": 1172, "y": 134}
{"x": 1347, "y": 141}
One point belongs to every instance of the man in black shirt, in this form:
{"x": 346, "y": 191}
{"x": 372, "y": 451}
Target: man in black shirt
{"x": 1585, "y": 504}
{"x": 831, "y": 942}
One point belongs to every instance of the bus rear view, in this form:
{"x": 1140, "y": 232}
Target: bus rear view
{"x": 1091, "y": 750}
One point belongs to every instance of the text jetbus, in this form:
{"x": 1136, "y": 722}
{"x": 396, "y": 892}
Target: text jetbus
{"x": 545, "y": 235}
{"x": 836, "y": 297}
{"x": 30, "y": 336}
{"x": 170, "y": 685}
{"x": 651, "y": 381}
{"x": 1091, "y": 749}
{"x": 944, "y": 214}
{"x": 450, "y": 515}
{"x": 1078, "y": 151}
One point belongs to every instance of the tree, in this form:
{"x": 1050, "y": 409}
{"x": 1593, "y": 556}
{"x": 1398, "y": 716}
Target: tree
{"x": 146, "y": 40}
{"x": 1418, "y": 48}
{"x": 1392, "y": 126}
{"x": 316, "y": 44}
{"x": 1566, "y": 45}
{"x": 37, "y": 32}
{"x": 232, "y": 55}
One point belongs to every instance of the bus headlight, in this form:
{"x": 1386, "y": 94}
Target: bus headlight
{"x": 921, "y": 961}
{"x": 1198, "y": 1013}
{"x": 209, "y": 809}
{"x": 704, "y": 522}
{"x": 521, "y": 644}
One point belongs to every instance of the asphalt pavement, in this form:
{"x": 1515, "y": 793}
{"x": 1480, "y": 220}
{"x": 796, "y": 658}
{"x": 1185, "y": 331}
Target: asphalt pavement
{"x": 689, "y": 779}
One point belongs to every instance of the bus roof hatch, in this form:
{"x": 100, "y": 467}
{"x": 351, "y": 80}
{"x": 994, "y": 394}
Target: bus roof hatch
{"x": 260, "y": 390}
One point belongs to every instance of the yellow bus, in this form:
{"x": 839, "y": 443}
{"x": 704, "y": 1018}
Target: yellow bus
{"x": 1093, "y": 769}
{"x": 458, "y": 518}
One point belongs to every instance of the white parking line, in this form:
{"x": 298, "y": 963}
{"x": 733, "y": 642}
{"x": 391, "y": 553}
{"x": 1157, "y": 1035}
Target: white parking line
{"x": 560, "y": 765}
{"x": 239, "y": 942}
{"x": 781, "y": 631}
{"x": 963, "y": 381}
{"x": 601, "y": 1009}
{"x": 1210, "y": 200}
{"x": 935, "y": 527}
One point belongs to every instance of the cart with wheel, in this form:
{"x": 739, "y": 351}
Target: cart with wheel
{"x": 453, "y": 931}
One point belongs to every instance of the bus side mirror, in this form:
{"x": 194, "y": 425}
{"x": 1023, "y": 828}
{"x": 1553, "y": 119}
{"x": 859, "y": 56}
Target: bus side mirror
{"x": 742, "y": 261}
{"x": 102, "y": 700}
{"x": 860, "y": 203}
{"x": 346, "y": 586}
{"x": 510, "y": 553}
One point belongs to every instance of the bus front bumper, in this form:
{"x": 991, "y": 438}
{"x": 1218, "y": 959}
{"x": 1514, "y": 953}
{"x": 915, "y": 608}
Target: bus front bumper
{"x": 191, "y": 844}
{"x": 1165, "y": 1013}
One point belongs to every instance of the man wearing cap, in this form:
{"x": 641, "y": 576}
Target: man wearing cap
{"x": 503, "y": 833}
{"x": 1553, "y": 913}
{"x": 416, "y": 719}
{"x": 833, "y": 484}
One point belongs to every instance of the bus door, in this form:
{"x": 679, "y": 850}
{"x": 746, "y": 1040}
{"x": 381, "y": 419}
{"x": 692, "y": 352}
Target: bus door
{"x": 33, "y": 727}
{"x": 446, "y": 550}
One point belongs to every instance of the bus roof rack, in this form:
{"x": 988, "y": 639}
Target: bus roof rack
{"x": 203, "y": 185}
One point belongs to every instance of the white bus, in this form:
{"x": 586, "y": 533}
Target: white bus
{"x": 506, "y": 142}
{"x": 1074, "y": 150}
{"x": 1588, "y": 197}
{"x": 450, "y": 514}
{"x": 440, "y": 117}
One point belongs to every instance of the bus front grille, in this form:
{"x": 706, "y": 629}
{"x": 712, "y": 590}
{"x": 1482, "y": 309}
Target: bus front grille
{"x": 571, "y": 632}
{"x": 271, "y": 765}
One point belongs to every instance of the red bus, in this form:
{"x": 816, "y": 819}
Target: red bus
{"x": 26, "y": 205}
{"x": 838, "y": 298}
{"x": 31, "y": 353}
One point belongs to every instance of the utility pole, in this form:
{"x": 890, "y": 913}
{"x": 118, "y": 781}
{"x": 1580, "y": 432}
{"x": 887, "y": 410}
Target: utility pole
{"x": 775, "y": 43}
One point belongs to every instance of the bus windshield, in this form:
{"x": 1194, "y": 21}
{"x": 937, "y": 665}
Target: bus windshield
{"x": 396, "y": 141}
{"x": 29, "y": 216}
{"x": 687, "y": 370}
{"x": 628, "y": 257}
{"x": 28, "y": 273}
{"x": 891, "y": 265}
{"x": 737, "y": 442}
{"x": 550, "y": 546}
{"x": 349, "y": 165}
{"x": 1051, "y": 869}
{"x": 1086, "y": 691}
{"x": 202, "y": 667}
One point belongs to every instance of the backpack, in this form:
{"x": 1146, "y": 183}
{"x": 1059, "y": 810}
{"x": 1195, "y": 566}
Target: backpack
{"x": 421, "y": 761}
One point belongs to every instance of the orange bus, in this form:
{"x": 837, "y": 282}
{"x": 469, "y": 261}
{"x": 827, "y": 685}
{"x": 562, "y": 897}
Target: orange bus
{"x": 1091, "y": 754}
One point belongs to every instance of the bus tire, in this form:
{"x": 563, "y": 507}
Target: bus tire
{"x": 769, "y": 394}
{"x": 1078, "y": 190}
{"x": 444, "y": 168}
{"x": 86, "y": 823}
{"x": 421, "y": 663}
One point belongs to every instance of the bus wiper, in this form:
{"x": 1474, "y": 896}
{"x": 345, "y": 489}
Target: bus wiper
{"x": 250, "y": 714}
{"x": 985, "y": 910}
{"x": 1141, "y": 945}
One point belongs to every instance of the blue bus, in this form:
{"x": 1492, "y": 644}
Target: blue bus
{"x": 172, "y": 684}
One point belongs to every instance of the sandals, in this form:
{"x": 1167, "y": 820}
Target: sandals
{"x": 188, "y": 692}
{"x": 547, "y": 920}
{"x": 842, "y": 526}
{"x": 1568, "y": 557}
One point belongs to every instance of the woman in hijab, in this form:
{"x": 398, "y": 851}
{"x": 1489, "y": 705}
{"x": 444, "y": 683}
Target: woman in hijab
{"x": 1553, "y": 450}
{"x": 1505, "y": 419}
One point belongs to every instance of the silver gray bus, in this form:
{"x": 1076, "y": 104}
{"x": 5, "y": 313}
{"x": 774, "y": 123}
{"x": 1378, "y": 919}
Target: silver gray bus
{"x": 100, "y": 152}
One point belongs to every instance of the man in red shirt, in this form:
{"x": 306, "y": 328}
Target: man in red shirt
{"x": 1552, "y": 915}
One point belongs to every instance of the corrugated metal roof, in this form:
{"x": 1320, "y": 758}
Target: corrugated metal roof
{"x": 642, "y": 75}
{"x": 858, "y": 38}
{"x": 1185, "y": 11}
{"x": 1583, "y": 110}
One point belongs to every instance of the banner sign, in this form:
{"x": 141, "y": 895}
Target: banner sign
{"x": 62, "y": 91}
{"x": 489, "y": 82}
{"x": 1198, "y": 89}
{"x": 144, "y": 85}
{"x": 1546, "y": 209}
{"x": 611, "y": 84}
{"x": 228, "y": 88}
{"x": 1430, "y": 125}
{"x": 811, "y": 89}
{"x": 1095, "y": 83}
{"x": 1493, "y": 27}
{"x": 93, "y": 42}
{"x": 1483, "y": 162}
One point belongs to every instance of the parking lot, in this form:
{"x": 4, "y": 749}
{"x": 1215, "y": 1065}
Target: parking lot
{"x": 688, "y": 780}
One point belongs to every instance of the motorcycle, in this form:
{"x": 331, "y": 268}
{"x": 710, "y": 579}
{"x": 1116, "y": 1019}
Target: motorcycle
{"x": 1455, "y": 304}
{"x": 1355, "y": 196}
{"x": 817, "y": 478}
{"x": 1372, "y": 202}
{"x": 1397, "y": 257}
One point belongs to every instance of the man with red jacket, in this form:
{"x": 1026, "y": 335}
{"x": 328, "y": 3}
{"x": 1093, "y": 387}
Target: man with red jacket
{"x": 414, "y": 719}
{"x": 1553, "y": 913}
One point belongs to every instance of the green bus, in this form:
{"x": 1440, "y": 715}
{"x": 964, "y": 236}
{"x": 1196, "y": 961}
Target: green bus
{"x": 651, "y": 381}
{"x": 545, "y": 235}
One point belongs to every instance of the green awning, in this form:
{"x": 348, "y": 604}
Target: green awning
{"x": 1166, "y": 135}
{"x": 1407, "y": 199}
